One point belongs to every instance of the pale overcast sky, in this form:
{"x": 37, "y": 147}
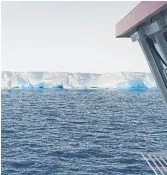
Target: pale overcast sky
{"x": 67, "y": 37}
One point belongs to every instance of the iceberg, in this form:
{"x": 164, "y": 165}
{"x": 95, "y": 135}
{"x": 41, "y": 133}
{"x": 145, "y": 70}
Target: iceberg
{"x": 59, "y": 87}
{"x": 134, "y": 84}
{"x": 65, "y": 80}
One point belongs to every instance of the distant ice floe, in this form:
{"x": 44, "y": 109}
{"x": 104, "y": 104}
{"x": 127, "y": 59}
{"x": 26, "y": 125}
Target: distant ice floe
{"x": 80, "y": 81}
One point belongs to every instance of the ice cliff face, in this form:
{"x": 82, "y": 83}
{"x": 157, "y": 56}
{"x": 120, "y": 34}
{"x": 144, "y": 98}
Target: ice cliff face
{"x": 77, "y": 80}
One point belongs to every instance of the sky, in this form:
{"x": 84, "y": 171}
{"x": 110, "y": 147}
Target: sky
{"x": 76, "y": 36}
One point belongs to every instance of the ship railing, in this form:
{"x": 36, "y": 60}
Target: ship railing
{"x": 157, "y": 162}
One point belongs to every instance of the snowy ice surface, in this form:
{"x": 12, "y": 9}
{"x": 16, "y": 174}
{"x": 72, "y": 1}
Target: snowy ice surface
{"x": 122, "y": 80}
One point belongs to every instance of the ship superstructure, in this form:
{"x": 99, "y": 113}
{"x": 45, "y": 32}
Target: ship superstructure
{"x": 147, "y": 24}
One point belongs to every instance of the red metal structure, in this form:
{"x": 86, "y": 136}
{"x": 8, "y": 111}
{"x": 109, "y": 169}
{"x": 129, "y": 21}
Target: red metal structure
{"x": 147, "y": 24}
{"x": 140, "y": 14}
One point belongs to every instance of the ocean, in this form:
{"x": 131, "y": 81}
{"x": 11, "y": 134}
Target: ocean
{"x": 81, "y": 132}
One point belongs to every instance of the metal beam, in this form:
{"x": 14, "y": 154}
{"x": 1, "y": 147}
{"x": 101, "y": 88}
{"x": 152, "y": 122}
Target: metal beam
{"x": 160, "y": 39}
{"x": 149, "y": 29}
{"x": 154, "y": 68}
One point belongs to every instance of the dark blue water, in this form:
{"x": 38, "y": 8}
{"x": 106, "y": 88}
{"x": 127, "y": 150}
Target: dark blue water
{"x": 49, "y": 132}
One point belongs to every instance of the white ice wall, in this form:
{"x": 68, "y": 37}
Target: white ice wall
{"x": 76, "y": 80}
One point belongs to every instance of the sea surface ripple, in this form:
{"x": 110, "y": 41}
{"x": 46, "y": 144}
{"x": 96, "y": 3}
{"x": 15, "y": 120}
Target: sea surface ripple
{"x": 49, "y": 132}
